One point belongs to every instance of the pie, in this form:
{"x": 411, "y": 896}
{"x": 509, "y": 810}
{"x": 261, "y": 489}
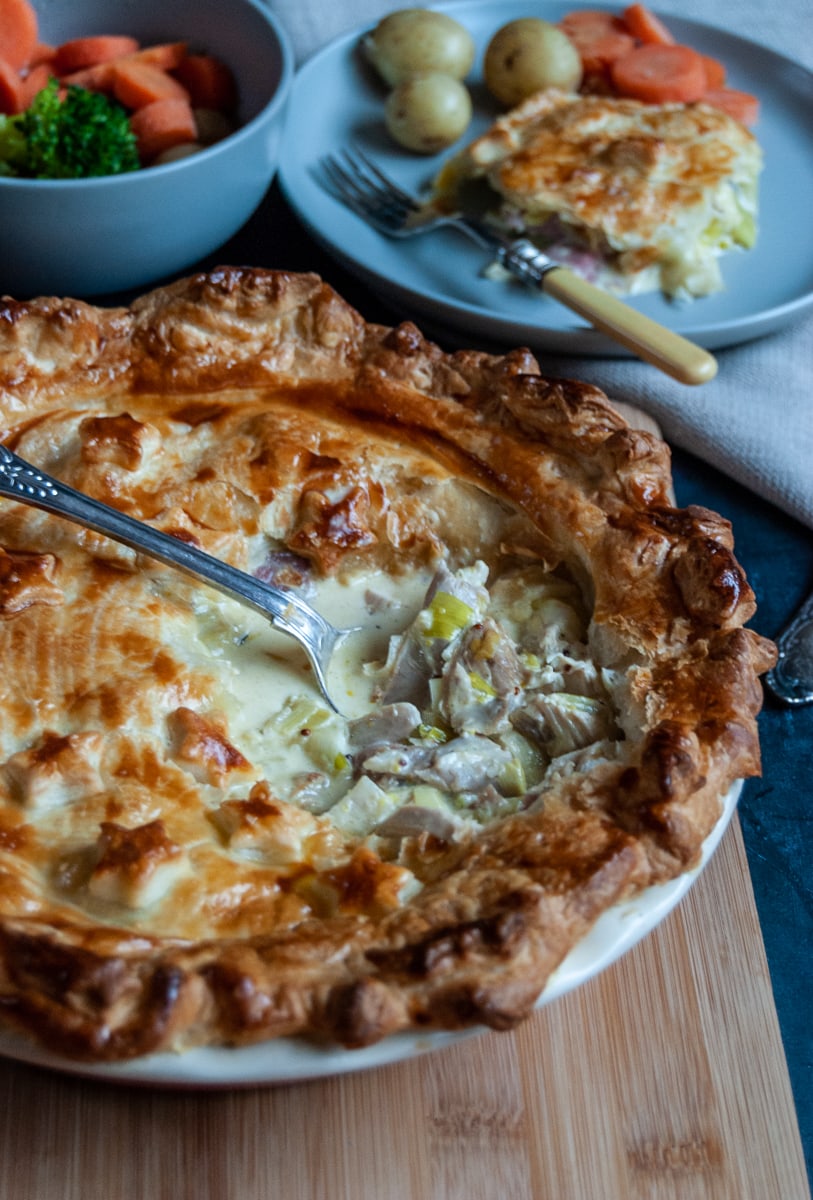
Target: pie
{"x": 637, "y": 197}
{"x": 552, "y": 689}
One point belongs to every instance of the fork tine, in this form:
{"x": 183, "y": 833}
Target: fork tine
{"x": 382, "y": 191}
{"x": 354, "y": 182}
{"x": 343, "y": 182}
{"x": 391, "y": 186}
{"x": 345, "y": 188}
{"x": 358, "y": 196}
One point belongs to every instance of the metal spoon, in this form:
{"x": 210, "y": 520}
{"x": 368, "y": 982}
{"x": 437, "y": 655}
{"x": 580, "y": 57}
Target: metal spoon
{"x": 791, "y": 680}
{"x": 287, "y": 613}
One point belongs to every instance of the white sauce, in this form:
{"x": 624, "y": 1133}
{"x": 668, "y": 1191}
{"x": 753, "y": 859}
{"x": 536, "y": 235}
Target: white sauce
{"x": 271, "y": 667}
{"x": 477, "y": 757}
{"x": 261, "y": 671}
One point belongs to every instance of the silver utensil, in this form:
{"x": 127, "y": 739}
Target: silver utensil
{"x": 355, "y": 180}
{"x": 287, "y": 612}
{"x": 791, "y": 680}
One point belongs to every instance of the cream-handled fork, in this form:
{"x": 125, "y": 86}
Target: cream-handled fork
{"x": 355, "y": 180}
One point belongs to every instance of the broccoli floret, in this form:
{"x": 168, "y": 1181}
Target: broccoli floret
{"x": 82, "y": 135}
{"x": 12, "y": 146}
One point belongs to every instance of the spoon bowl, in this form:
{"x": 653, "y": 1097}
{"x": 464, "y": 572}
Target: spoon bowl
{"x": 287, "y": 612}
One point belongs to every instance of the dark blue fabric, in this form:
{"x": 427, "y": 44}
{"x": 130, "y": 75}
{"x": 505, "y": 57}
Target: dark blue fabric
{"x": 776, "y": 811}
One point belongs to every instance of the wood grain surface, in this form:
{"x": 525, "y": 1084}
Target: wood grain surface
{"x": 661, "y": 1079}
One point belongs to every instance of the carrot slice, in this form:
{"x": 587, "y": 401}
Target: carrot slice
{"x": 11, "y": 89}
{"x": 99, "y": 78}
{"x": 742, "y": 106}
{"x": 33, "y": 83}
{"x": 599, "y": 37}
{"x": 645, "y": 26}
{"x": 166, "y": 55}
{"x": 209, "y": 82}
{"x": 162, "y": 125}
{"x": 83, "y": 52}
{"x": 136, "y": 84}
{"x": 96, "y": 79}
{"x": 715, "y": 71}
{"x": 659, "y": 74}
{"x": 43, "y": 52}
{"x": 18, "y": 32}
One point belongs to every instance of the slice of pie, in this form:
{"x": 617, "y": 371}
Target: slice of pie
{"x": 552, "y": 689}
{"x": 636, "y": 197}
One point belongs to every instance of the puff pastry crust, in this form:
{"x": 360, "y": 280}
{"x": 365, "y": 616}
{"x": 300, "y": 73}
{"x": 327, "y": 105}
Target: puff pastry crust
{"x": 155, "y": 890}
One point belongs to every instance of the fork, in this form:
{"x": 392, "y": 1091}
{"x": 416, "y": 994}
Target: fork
{"x": 357, "y": 182}
{"x": 791, "y": 680}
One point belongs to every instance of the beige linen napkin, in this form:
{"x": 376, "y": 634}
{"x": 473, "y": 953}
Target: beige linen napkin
{"x": 754, "y": 422}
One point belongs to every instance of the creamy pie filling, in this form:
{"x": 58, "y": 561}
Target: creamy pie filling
{"x": 482, "y": 695}
{"x": 462, "y": 699}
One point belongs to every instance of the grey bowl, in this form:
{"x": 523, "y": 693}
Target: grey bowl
{"x": 109, "y": 234}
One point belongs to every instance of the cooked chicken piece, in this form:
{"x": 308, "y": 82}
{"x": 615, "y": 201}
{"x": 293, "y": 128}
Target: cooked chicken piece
{"x": 483, "y": 680}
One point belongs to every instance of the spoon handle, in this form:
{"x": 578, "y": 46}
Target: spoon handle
{"x": 791, "y": 680}
{"x": 20, "y": 481}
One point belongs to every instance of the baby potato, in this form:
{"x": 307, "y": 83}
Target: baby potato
{"x": 428, "y": 112}
{"x": 212, "y": 125}
{"x": 176, "y": 153}
{"x": 414, "y": 40}
{"x": 527, "y": 55}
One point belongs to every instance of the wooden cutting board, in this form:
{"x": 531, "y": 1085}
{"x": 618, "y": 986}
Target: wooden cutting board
{"x": 664, "y": 1078}
{"x": 661, "y": 1079}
